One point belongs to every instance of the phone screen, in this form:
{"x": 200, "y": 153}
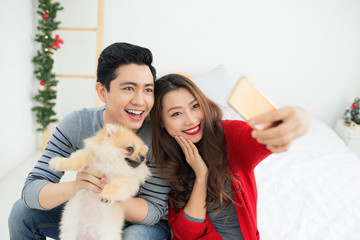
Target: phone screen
{"x": 248, "y": 101}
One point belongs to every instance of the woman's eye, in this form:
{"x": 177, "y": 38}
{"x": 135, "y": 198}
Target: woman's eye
{"x": 175, "y": 114}
{"x": 196, "y": 106}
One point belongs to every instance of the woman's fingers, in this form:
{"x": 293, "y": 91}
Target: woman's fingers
{"x": 278, "y": 149}
{"x": 188, "y": 145}
{"x": 193, "y": 157}
{"x": 183, "y": 148}
{"x": 279, "y": 135}
{"x": 272, "y": 117}
{"x": 193, "y": 148}
{"x": 293, "y": 123}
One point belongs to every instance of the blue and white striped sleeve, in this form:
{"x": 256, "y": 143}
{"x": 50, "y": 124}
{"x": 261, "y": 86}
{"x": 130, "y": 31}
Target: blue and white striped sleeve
{"x": 154, "y": 191}
{"x": 61, "y": 144}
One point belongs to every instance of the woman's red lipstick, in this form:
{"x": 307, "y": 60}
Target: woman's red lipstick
{"x": 192, "y": 131}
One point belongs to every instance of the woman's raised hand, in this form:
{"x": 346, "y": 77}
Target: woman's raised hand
{"x": 294, "y": 122}
{"x": 193, "y": 157}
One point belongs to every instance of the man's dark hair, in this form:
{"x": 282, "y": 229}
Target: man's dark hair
{"x": 118, "y": 54}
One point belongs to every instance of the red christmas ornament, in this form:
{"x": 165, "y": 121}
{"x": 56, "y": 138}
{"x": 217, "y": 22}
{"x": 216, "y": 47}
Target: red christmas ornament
{"x": 41, "y": 82}
{"x": 58, "y": 42}
{"x": 353, "y": 106}
{"x": 45, "y": 15}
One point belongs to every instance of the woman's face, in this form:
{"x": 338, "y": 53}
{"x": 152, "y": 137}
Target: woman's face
{"x": 182, "y": 116}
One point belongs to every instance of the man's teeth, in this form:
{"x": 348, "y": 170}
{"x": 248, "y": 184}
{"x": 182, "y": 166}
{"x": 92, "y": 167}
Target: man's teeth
{"x": 192, "y": 130}
{"x": 134, "y": 112}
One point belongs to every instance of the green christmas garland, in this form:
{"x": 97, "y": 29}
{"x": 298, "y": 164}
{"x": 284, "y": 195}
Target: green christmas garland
{"x": 43, "y": 63}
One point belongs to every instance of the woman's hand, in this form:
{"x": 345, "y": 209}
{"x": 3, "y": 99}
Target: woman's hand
{"x": 90, "y": 179}
{"x": 195, "y": 207}
{"x": 193, "y": 157}
{"x": 293, "y": 122}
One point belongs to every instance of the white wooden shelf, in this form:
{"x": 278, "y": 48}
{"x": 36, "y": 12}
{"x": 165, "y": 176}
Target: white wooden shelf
{"x": 350, "y": 136}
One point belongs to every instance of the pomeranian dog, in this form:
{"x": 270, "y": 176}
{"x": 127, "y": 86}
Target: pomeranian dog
{"x": 119, "y": 154}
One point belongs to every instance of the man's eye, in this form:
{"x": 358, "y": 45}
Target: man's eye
{"x": 149, "y": 90}
{"x": 128, "y": 88}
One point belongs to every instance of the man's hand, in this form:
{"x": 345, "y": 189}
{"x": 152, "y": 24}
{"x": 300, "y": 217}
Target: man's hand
{"x": 90, "y": 179}
{"x": 292, "y": 122}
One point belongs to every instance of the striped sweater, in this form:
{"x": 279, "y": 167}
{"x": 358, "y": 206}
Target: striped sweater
{"x": 68, "y": 137}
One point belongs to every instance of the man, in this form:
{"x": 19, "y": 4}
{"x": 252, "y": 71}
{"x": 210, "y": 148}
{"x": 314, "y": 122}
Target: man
{"x": 125, "y": 83}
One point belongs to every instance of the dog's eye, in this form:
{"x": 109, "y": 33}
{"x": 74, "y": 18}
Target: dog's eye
{"x": 130, "y": 149}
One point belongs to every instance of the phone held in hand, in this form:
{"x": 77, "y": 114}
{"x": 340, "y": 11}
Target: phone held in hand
{"x": 249, "y": 102}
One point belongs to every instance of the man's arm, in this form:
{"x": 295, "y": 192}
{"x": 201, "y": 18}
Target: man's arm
{"x": 42, "y": 189}
{"x": 136, "y": 210}
{"x": 42, "y": 177}
{"x": 151, "y": 205}
{"x": 54, "y": 194}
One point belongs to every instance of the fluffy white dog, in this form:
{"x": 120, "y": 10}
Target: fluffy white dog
{"x": 119, "y": 154}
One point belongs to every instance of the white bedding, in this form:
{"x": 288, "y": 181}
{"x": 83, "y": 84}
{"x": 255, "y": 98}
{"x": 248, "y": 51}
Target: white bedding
{"x": 311, "y": 191}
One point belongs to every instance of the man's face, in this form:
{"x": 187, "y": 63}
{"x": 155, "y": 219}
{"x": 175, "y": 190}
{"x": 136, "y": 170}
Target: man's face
{"x": 130, "y": 98}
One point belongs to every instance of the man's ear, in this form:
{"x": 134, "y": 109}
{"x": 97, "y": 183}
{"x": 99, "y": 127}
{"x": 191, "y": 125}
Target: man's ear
{"x": 101, "y": 91}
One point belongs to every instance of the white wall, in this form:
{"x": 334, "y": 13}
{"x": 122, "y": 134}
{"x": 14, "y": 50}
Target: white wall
{"x": 77, "y": 56}
{"x": 17, "y": 132}
{"x": 304, "y": 53}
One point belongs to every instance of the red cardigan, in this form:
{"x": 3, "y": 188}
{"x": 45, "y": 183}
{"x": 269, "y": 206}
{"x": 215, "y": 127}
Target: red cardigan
{"x": 244, "y": 154}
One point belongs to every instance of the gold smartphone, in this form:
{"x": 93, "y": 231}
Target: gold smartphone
{"x": 248, "y": 101}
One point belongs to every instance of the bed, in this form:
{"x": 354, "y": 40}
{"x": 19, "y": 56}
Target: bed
{"x": 309, "y": 192}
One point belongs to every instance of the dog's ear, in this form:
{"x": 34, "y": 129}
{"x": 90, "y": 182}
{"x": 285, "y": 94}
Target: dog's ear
{"x": 110, "y": 129}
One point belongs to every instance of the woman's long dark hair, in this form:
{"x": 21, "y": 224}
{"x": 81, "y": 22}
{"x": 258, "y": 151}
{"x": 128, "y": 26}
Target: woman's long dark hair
{"x": 170, "y": 158}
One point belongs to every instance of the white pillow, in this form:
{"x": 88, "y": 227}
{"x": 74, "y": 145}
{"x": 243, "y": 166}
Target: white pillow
{"x": 217, "y": 86}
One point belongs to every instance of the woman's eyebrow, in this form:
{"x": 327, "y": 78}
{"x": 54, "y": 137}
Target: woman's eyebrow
{"x": 172, "y": 108}
{"x": 176, "y": 107}
{"x": 194, "y": 100}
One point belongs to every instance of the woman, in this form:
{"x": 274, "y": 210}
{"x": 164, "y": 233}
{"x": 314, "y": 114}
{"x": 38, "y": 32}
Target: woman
{"x": 210, "y": 163}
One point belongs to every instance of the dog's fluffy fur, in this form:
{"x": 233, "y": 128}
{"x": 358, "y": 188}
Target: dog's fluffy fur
{"x": 119, "y": 154}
